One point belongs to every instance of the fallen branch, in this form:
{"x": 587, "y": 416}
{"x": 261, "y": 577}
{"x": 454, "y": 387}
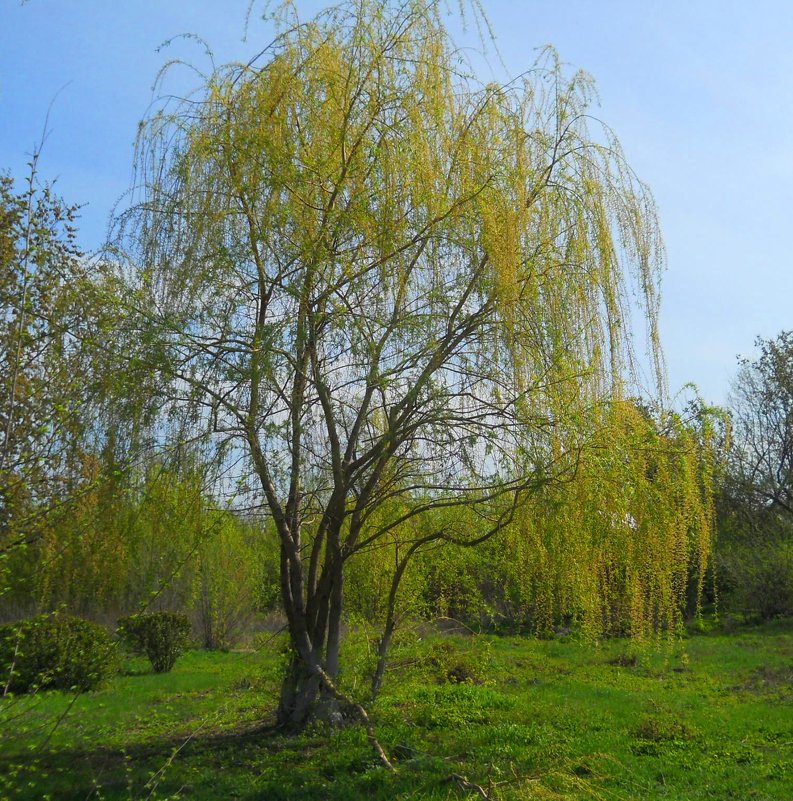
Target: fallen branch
{"x": 464, "y": 784}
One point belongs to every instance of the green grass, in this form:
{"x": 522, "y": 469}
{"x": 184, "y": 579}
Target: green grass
{"x": 710, "y": 717}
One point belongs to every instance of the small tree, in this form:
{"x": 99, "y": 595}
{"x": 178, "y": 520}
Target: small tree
{"x": 388, "y": 289}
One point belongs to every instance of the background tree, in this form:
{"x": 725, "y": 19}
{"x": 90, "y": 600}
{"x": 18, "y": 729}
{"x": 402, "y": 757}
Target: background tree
{"x": 71, "y": 416}
{"x": 87, "y": 521}
{"x": 762, "y": 454}
{"x": 756, "y": 499}
{"x": 384, "y": 291}
{"x": 45, "y": 388}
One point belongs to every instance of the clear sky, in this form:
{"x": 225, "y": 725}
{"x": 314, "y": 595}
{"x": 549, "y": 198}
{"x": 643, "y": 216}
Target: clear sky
{"x": 700, "y": 93}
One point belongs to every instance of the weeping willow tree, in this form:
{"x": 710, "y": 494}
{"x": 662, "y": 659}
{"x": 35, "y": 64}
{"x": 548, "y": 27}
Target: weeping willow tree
{"x": 625, "y": 547}
{"x": 385, "y": 290}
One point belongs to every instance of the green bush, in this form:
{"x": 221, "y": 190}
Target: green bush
{"x": 161, "y": 636}
{"x": 757, "y": 579}
{"x": 55, "y": 651}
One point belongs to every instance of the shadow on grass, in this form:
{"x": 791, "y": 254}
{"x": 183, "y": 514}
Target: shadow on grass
{"x": 137, "y": 671}
{"x": 731, "y": 623}
{"x": 259, "y": 762}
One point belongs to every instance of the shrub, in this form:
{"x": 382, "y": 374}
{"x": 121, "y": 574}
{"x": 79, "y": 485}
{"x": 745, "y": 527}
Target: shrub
{"x": 55, "y": 651}
{"x": 161, "y": 636}
{"x": 451, "y": 665}
{"x": 758, "y": 579}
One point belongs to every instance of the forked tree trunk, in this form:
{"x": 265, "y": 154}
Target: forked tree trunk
{"x": 299, "y": 707}
{"x": 300, "y": 695}
{"x": 305, "y": 694}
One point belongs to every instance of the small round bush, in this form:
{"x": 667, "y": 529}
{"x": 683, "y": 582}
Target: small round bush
{"x": 161, "y": 636}
{"x": 55, "y": 651}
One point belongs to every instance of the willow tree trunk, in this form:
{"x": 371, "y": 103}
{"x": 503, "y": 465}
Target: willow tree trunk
{"x": 315, "y": 639}
{"x": 300, "y": 695}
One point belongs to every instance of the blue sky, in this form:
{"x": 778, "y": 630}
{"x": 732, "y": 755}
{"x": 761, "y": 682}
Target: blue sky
{"x": 700, "y": 93}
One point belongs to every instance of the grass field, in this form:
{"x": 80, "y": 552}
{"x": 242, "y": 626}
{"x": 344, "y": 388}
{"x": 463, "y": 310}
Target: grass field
{"x": 710, "y": 717}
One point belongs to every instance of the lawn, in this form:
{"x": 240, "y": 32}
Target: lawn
{"x": 708, "y": 717}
